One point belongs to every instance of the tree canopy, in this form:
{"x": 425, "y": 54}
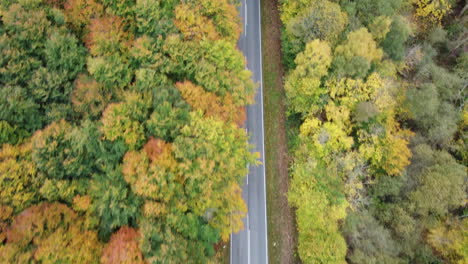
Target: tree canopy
{"x": 121, "y": 130}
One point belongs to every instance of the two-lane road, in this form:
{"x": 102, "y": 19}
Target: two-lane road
{"x": 250, "y": 245}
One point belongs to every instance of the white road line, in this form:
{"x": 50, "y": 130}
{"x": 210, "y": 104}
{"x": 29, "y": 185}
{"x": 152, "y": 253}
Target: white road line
{"x": 263, "y": 128}
{"x": 248, "y": 240}
{"x": 246, "y": 13}
{"x": 230, "y": 249}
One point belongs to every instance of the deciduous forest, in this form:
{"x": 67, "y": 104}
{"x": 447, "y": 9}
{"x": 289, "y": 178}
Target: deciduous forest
{"x": 378, "y": 120}
{"x": 120, "y": 131}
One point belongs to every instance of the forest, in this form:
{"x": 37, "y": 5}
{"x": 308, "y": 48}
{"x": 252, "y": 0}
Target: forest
{"x": 121, "y": 130}
{"x": 378, "y": 127}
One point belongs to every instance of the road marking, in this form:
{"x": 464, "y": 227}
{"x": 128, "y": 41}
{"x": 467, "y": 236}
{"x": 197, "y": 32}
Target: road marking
{"x": 246, "y": 16}
{"x": 248, "y": 239}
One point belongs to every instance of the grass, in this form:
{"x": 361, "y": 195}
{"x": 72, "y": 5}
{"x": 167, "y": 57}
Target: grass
{"x": 281, "y": 224}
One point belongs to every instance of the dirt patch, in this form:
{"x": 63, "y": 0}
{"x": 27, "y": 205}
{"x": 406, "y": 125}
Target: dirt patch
{"x": 282, "y": 235}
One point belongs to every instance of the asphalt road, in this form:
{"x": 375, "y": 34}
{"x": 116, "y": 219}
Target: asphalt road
{"x": 250, "y": 245}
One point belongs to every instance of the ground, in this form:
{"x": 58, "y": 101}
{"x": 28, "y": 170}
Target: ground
{"x": 282, "y": 235}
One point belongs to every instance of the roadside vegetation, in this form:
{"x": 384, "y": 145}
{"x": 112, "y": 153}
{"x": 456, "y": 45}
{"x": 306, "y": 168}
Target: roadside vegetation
{"x": 378, "y": 90}
{"x": 120, "y": 130}
{"x": 282, "y": 235}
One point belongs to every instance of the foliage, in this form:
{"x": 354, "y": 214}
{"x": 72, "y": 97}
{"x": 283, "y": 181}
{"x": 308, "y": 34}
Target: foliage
{"x": 381, "y": 146}
{"x": 123, "y": 248}
{"x": 322, "y": 20}
{"x": 303, "y": 85}
{"x": 49, "y": 232}
{"x": 394, "y": 42}
{"x": 214, "y": 154}
{"x": 118, "y": 115}
{"x": 40, "y": 60}
{"x": 210, "y": 104}
{"x": 61, "y": 151}
{"x": 432, "y": 10}
{"x": 450, "y": 240}
{"x": 124, "y": 120}
{"x": 18, "y": 178}
{"x": 113, "y": 202}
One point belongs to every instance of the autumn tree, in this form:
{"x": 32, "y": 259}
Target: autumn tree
{"x": 49, "y": 232}
{"x": 123, "y": 248}
{"x": 303, "y": 85}
{"x": 89, "y": 98}
{"x": 216, "y": 66}
{"x": 19, "y": 180}
{"x": 354, "y": 57}
{"x": 450, "y": 239}
{"x": 124, "y": 120}
{"x": 321, "y": 20}
{"x": 210, "y": 104}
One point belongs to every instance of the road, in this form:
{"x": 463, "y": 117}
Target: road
{"x": 250, "y": 245}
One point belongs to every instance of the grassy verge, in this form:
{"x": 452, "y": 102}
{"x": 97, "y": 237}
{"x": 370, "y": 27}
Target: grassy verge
{"x": 223, "y": 253}
{"x": 281, "y": 224}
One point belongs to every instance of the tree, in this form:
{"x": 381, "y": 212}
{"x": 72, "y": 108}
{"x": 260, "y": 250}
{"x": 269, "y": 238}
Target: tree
{"x": 193, "y": 25}
{"x": 312, "y": 193}
{"x": 211, "y": 153}
{"x": 210, "y": 104}
{"x": 303, "y": 85}
{"x": 394, "y": 42}
{"x": 124, "y": 120}
{"x": 107, "y": 36}
{"x": 79, "y": 14}
{"x": 89, "y": 98}
{"x": 49, "y": 232}
{"x": 367, "y": 10}
{"x": 436, "y": 173}
{"x": 321, "y": 20}
{"x": 369, "y": 241}
{"x": 62, "y": 151}
{"x": 216, "y": 66}
{"x": 40, "y": 60}
{"x": 113, "y": 202}
{"x": 432, "y": 10}
{"x": 450, "y": 239}
{"x": 354, "y": 57}
{"x": 19, "y": 180}
{"x": 155, "y": 17}
{"x": 170, "y": 113}
{"x": 123, "y": 248}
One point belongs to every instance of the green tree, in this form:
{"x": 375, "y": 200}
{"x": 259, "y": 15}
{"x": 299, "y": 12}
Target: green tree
{"x": 440, "y": 182}
{"x": 113, "y": 202}
{"x": 62, "y": 151}
{"x": 124, "y": 120}
{"x": 369, "y": 241}
{"x": 354, "y": 57}
{"x": 303, "y": 85}
{"x": 394, "y": 42}
{"x": 322, "y": 20}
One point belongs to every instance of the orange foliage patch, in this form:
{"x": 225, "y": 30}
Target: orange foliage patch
{"x": 123, "y": 248}
{"x": 154, "y": 148}
{"x": 106, "y": 34}
{"x": 88, "y": 97}
{"x": 210, "y": 104}
{"x": 80, "y": 12}
{"x": 37, "y": 221}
